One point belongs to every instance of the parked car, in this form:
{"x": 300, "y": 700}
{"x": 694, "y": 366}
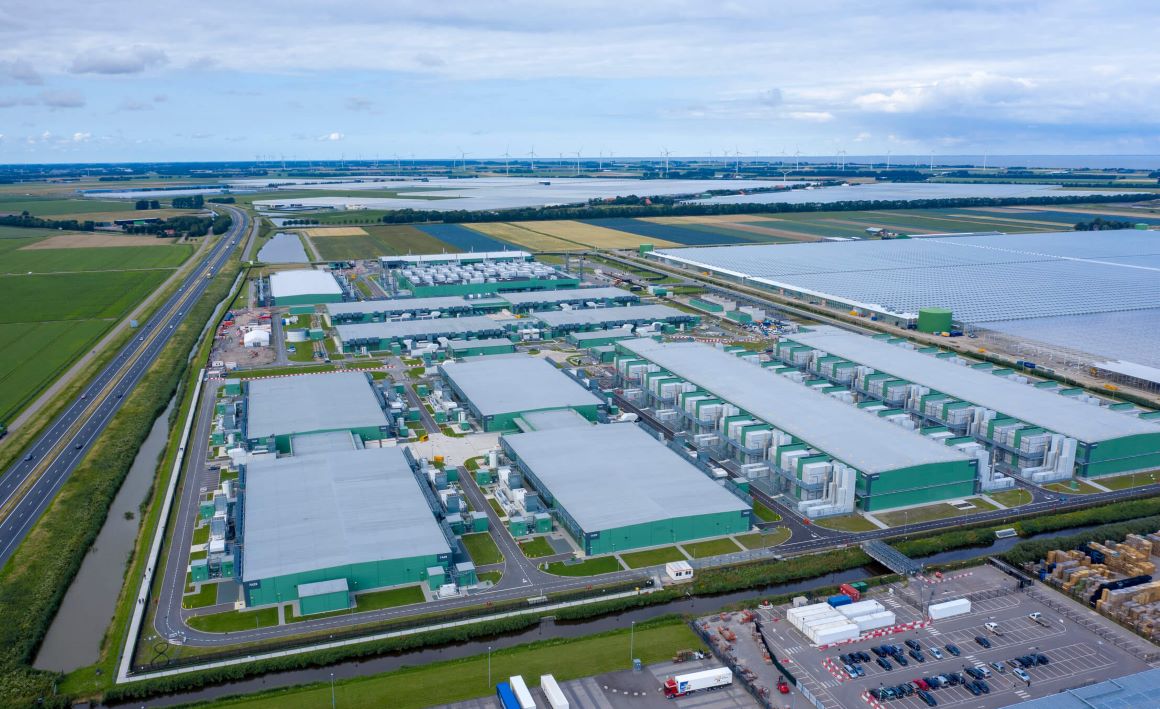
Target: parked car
{"x": 901, "y": 660}
{"x": 953, "y": 649}
{"x": 973, "y": 689}
{"x": 850, "y": 671}
{"x": 863, "y": 656}
{"x": 913, "y": 645}
{"x": 1021, "y": 675}
{"x": 922, "y": 683}
{"x": 983, "y": 641}
{"x": 935, "y": 653}
{"x": 926, "y": 697}
{"x": 983, "y": 686}
{"x": 998, "y": 666}
{"x": 858, "y": 671}
{"x": 974, "y": 672}
{"x": 917, "y": 655}
{"x": 906, "y": 689}
{"x": 879, "y": 651}
{"x": 1042, "y": 659}
{"x": 885, "y": 664}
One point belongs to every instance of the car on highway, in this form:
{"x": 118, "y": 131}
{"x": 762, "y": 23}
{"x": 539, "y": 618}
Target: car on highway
{"x": 953, "y": 649}
{"x": 78, "y": 446}
{"x": 27, "y": 458}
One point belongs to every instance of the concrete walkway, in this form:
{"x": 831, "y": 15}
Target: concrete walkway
{"x": 875, "y": 521}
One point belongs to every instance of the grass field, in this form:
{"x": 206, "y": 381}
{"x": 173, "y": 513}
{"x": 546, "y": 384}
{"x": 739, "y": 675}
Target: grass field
{"x": 1081, "y": 488}
{"x": 757, "y": 540}
{"x": 34, "y": 353}
{"x": 651, "y": 557}
{"x": 390, "y": 598}
{"x": 482, "y": 549}
{"x": 847, "y": 523}
{"x": 205, "y": 596}
{"x": 379, "y": 241}
{"x": 531, "y": 240}
{"x": 64, "y": 208}
{"x": 1121, "y": 482}
{"x": 1011, "y": 498}
{"x": 537, "y": 547}
{"x": 428, "y": 685}
{"x": 235, "y": 620}
{"x": 713, "y": 547}
{"x": 588, "y": 567}
{"x": 74, "y": 296}
{"x": 929, "y": 513}
{"x": 765, "y": 514}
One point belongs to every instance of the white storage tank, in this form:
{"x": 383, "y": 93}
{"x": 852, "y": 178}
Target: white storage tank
{"x": 948, "y": 609}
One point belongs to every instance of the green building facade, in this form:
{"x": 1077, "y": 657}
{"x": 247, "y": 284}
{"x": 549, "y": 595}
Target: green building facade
{"x": 359, "y": 578}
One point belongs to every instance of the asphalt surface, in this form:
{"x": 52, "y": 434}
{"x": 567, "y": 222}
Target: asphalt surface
{"x": 59, "y": 449}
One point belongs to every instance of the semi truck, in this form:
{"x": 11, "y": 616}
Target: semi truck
{"x": 680, "y": 685}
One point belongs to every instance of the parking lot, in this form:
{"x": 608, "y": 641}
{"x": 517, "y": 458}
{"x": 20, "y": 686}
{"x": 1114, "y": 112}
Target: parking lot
{"x": 1077, "y": 656}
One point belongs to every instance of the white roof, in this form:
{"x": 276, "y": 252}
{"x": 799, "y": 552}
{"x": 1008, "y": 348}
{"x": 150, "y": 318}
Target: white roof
{"x": 581, "y": 466}
{"x": 311, "y": 402}
{"x": 1130, "y": 369}
{"x": 410, "y": 305}
{"x": 853, "y": 436}
{"x": 418, "y": 329}
{"x": 310, "y": 512}
{"x": 468, "y": 256}
{"x": 504, "y": 384}
{"x": 1084, "y": 422}
{"x": 568, "y": 295}
{"x": 608, "y": 316}
{"x": 285, "y": 284}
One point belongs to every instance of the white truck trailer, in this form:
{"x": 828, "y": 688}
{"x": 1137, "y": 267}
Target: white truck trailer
{"x": 680, "y": 685}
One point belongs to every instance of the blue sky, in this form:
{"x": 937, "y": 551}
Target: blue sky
{"x": 141, "y": 81}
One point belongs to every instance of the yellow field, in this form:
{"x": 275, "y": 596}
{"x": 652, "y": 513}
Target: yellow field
{"x": 590, "y": 235}
{"x": 94, "y": 240}
{"x": 336, "y": 231}
{"x": 527, "y": 239}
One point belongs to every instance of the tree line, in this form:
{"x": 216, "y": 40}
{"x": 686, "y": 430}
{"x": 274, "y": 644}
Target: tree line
{"x": 26, "y": 220}
{"x": 194, "y": 202}
{"x": 1101, "y": 224}
{"x": 184, "y": 225}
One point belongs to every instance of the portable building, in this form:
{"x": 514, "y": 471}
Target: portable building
{"x": 947, "y": 609}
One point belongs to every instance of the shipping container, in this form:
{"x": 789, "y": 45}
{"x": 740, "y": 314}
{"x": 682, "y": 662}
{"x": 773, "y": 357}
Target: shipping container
{"x": 948, "y": 609}
{"x": 507, "y": 699}
{"x": 839, "y": 600}
{"x": 556, "y": 698}
{"x": 851, "y": 592}
{"x": 853, "y": 610}
{"x": 523, "y": 695}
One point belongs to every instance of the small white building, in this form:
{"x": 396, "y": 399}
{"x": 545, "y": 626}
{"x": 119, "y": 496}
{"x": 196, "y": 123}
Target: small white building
{"x": 679, "y": 571}
{"x": 256, "y": 338}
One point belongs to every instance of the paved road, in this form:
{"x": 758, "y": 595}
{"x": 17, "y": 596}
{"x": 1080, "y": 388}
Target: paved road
{"x": 29, "y": 485}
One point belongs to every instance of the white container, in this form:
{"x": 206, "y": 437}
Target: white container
{"x": 875, "y": 621}
{"x": 556, "y": 698}
{"x": 836, "y": 634}
{"x": 853, "y": 610}
{"x": 520, "y": 689}
{"x": 948, "y": 609}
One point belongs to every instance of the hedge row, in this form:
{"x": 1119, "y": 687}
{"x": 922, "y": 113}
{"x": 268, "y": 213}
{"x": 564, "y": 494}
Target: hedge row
{"x": 34, "y": 582}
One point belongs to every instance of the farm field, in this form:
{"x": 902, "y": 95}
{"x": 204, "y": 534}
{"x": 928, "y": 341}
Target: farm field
{"x": 524, "y": 238}
{"x": 60, "y": 208}
{"x": 379, "y": 241}
{"x": 26, "y": 255}
{"x": 682, "y": 234}
{"x": 461, "y": 238}
{"x": 588, "y": 234}
{"x": 55, "y": 303}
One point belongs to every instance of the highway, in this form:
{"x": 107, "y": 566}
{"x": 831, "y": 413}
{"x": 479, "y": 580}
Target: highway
{"x": 29, "y": 485}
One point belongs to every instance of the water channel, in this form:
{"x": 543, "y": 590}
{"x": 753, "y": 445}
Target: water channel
{"x": 74, "y": 638}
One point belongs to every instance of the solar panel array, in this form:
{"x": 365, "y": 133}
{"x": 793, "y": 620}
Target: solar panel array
{"x": 981, "y": 278}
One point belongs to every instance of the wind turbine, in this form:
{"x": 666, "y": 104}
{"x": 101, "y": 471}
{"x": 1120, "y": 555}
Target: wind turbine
{"x": 578, "y": 162}
{"x": 398, "y": 165}
{"x": 842, "y": 159}
{"x": 666, "y": 152}
{"x": 506, "y": 157}
{"x": 532, "y": 159}
{"x": 796, "y": 154}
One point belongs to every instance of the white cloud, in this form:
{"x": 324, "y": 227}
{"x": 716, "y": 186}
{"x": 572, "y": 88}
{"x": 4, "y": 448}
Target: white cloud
{"x": 811, "y": 116}
{"x": 21, "y": 72}
{"x": 81, "y": 137}
{"x": 118, "y": 60}
{"x": 335, "y": 136}
{"x": 130, "y": 104}
{"x": 359, "y": 103}
{"x": 976, "y": 89}
{"x": 62, "y": 99}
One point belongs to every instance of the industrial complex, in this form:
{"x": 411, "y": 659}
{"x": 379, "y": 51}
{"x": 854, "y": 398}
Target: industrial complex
{"x": 1038, "y": 430}
{"x": 279, "y": 409}
{"x": 787, "y": 435}
{"x": 473, "y": 273}
{"x": 615, "y": 488}
{"x": 500, "y": 391}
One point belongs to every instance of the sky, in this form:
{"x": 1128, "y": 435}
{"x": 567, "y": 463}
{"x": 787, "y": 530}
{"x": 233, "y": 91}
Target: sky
{"x": 129, "y": 80}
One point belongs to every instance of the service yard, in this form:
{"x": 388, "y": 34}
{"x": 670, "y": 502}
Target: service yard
{"x": 1076, "y": 654}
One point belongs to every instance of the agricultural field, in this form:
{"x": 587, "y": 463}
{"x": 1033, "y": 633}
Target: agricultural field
{"x": 460, "y": 238}
{"x": 525, "y": 238}
{"x": 682, "y": 234}
{"x": 61, "y": 208}
{"x": 587, "y": 234}
{"x": 378, "y": 241}
{"x": 55, "y": 303}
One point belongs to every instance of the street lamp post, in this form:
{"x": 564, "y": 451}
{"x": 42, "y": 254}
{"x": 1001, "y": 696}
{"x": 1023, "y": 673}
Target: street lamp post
{"x": 332, "y": 703}
{"x": 489, "y": 667}
{"x": 631, "y": 640}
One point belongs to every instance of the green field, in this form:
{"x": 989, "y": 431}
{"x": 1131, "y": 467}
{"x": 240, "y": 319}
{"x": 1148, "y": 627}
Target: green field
{"x": 1121, "y": 482}
{"x": 74, "y": 296}
{"x": 377, "y": 600}
{"x": 652, "y": 557}
{"x": 379, "y": 241}
{"x": 205, "y": 597}
{"x": 235, "y": 620}
{"x": 428, "y": 685}
{"x": 847, "y": 523}
{"x": 1011, "y": 498}
{"x": 111, "y": 258}
{"x": 588, "y": 567}
{"x": 713, "y": 547}
{"x": 765, "y": 514}
{"x": 34, "y": 353}
{"x": 537, "y": 547}
{"x": 757, "y": 540}
{"x": 60, "y": 208}
{"x": 482, "y": 548}
{"x": 929, "y": 513}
